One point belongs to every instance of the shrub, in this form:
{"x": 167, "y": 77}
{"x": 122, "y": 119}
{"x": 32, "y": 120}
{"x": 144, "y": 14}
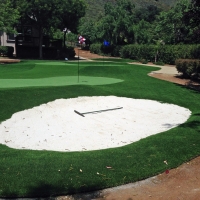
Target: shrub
{"x": 159, "y": 63}
{"x": 143, "y": 61}
{"x": 112, "y": 50}
{"x": 116, "y": 51}
{"x": 6, "y": 51}
{"x": 188, "y": 67}
{"x": 95, "y": 48}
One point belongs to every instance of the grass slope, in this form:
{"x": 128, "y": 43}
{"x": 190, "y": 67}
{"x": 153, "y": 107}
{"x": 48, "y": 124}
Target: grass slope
{"x": 28, "y": 173}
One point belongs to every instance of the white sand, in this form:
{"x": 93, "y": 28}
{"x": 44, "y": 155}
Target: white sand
{"x": 55, "y": 125}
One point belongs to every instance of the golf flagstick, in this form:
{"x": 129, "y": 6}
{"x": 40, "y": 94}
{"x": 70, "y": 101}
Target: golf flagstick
{"x": 78, "y": 65}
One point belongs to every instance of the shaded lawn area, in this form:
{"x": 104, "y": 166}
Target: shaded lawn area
{"x": 29, "y": 173}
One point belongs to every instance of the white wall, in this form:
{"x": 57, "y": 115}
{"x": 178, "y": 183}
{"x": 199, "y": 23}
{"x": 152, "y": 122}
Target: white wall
{"x": 6, "y": 42}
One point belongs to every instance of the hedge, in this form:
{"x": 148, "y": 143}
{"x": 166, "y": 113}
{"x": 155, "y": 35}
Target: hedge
{"x": 167, "y": 54}
{"x": 112, "y": 50}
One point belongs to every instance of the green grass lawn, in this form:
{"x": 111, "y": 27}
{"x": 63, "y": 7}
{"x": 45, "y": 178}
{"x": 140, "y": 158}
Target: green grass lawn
{"x": 29, "y": 173}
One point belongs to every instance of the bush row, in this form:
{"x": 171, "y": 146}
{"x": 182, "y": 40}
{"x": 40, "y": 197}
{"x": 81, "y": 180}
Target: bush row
{"x": 6, "y": 51}
{"x": 111, "y": 50}
{"x": 188, "y": 67}
{"x": 167, "y": 54}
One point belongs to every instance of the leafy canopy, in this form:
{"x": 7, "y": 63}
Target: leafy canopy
{"x": 47, "y": 16}
{"x": 8, "y": 16}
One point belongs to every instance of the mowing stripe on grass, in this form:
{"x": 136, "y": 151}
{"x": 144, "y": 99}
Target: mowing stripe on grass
{"x": 57, "y": 81}
{"x": 56, "y": 63}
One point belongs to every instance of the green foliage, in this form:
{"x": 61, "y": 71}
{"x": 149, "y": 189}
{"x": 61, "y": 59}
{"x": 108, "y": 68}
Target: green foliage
{"x": 188, "y": 67}
{"x": 116, "y": 50}
{"x": 165, "y": 53}
{"x": 112, "y": 50}
{"x": 8, "y": 17}
{"x": 57, "y": 34}
{"x": 170, "y": 27}
{"x": 137, "y": 52}
{"x": 145, "y": 24}
{"x": 49, "y": 16}
{"x": 71, "y": 37}
{"x": 114, "y": 25}
{"x": 159, "y": 63}
{"x": 71, "y": 12}
{"x": 95, "y": 8}
{"x": 143, "y": 61}
{"x": 121, "y": 22}
{"x": 96, "y": 48}
{"x": 147, "y": 14}
{"x": 192, "y": 19}
{"x": 6, "y": 51}
{"x": 3, "y": 50}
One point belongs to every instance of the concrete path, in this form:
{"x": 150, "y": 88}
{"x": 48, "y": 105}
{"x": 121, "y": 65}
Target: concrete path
{"x": 166, "y": 69}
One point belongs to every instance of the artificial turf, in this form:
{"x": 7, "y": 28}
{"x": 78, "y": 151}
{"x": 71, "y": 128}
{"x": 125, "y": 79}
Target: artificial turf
{"x": 29, "y": 173}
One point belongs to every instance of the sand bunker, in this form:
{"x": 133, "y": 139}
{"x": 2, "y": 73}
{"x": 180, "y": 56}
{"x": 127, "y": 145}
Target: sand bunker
{"x": 55, "y": 126}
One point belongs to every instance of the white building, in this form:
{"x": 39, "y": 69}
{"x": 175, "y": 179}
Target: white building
{"x": 7, "y": 40}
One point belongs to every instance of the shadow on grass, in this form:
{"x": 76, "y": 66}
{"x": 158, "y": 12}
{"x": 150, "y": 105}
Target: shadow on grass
{"x": 193, "y": 125}
{"x": 192, "y": 84}
{"x": 48, "y": 191}
{"x": 51, "y": 191}
{"x": 192, "y": 87}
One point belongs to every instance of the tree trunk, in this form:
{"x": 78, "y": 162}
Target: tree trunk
{"x": 64, "y": 40}
{"x": 156, "y": 56}
{"x": 40, "y": 43}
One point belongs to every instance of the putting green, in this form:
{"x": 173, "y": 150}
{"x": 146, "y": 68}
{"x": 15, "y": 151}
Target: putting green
{"x": 57, "y": 81}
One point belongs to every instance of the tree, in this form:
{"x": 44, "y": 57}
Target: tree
{"x": 141, "y": 32}
{"x": 192, "y": 19}
{"x": 72, "y": 11}
{"x": 49, "y": 15}
{"x": 117, "y": 23}
{"x": 8, "y": 17}
{"x": 170, "y": 26}
{"x": 88, "y": 29}
{"x": 148, "y": 14}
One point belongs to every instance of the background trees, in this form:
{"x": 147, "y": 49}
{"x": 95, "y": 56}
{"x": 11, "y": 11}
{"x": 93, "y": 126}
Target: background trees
{"x": 8, "y": 16}
{"x": 123, "y": 23}
{"x": 120, "y": 22}
{"x": 170, "y": 26}
{"x": 192, "y": 19}
{"x": 48, "y": 16}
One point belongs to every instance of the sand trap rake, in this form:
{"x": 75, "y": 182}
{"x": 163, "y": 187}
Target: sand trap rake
{"x": 97, "y": 111}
